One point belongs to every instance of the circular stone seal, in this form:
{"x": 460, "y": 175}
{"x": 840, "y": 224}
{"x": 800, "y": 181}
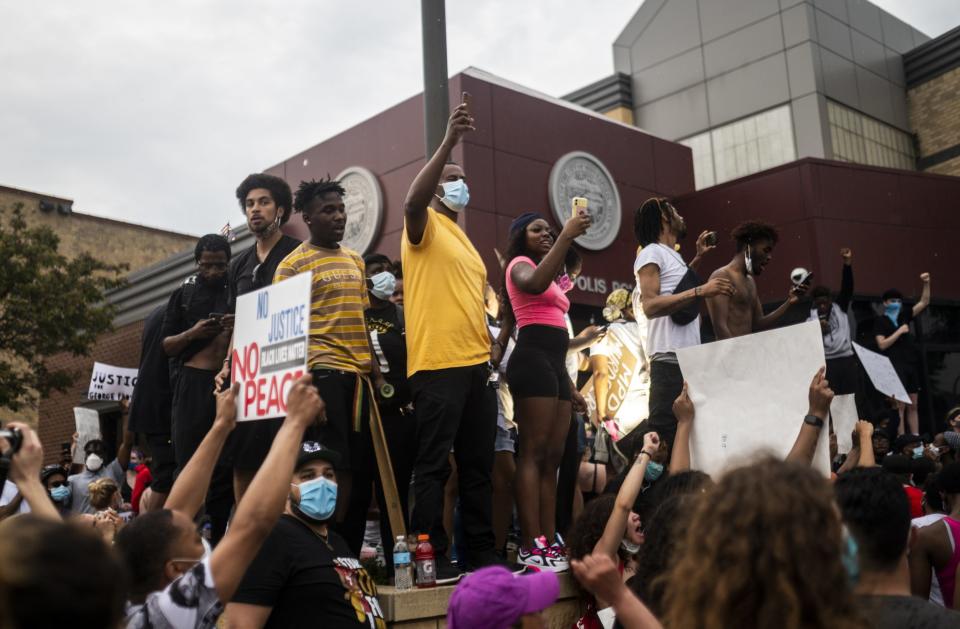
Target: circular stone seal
{"x": 580, "y": 174}
{"x": 364, "y": 202}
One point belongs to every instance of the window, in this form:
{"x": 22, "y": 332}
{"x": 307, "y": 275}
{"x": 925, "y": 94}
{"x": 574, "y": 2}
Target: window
{"x": 861, "y": 139}
{"x": 743, "y": 147}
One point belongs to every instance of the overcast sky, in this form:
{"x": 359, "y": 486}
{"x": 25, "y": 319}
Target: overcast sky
{"x": 153, "y": 112}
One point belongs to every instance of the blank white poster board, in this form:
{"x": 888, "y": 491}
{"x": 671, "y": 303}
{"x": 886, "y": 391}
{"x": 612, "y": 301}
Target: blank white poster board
{"x": 882, "y": 374}
{"x": 843, "y": 411}
{"x": 751, "y": 395}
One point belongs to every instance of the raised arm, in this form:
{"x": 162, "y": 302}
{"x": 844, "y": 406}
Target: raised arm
{"x": 613, "y": 532}
{"x": 599, "y": 574}
{"x": 718, "y": 307}
{"x": 684, "y": 411}
{"x": 865, "y": 434}
{"x": 190, "y": 489}
{"x": 425, "y": 184}
{"x": 25, "y": 473}
{"x": 702, "y": 250}
{"x": 919, "y": 558}
{"x": 126, "y": 443}
{"x": 764, "y": 322}
{"x": 263, "y": 502}
{"x": 601, "y": 384}
{"x": 657, "y": 305}
{"x": 846, "y": 280}
{"x": 921, "y": 305}
{"x": 820, "y": 396}
{"x": 536, "y": 279}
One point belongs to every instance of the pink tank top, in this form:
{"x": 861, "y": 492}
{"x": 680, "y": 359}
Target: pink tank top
{"x": 948, "y": 576}
{"x": 547, "y": 308}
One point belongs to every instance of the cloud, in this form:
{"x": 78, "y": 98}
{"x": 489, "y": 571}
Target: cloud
{"x": 152, "y": 112}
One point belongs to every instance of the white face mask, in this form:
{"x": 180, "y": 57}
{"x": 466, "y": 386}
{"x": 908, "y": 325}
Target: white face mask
{"x": 630, "y": 547}
{"x": 94, "y": 462}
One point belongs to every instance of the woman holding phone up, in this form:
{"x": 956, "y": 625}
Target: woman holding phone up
{"x": 533, "y": 291}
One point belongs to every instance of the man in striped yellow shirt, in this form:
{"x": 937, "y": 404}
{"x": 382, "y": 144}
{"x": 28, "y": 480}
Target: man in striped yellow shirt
{"x": 339, "y": 353}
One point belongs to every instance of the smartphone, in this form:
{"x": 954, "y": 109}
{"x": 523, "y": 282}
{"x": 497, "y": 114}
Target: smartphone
{"x": 465, "y": 100}
{"x": 216, "y": 315}
{"x": 711, "y": 239}
{"x": 580, "y": 203}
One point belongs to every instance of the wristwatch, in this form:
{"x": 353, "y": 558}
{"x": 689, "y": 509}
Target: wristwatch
{"x": 813, "y": 420}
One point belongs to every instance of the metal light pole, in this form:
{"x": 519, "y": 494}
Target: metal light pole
{"x": 436, "y": 101}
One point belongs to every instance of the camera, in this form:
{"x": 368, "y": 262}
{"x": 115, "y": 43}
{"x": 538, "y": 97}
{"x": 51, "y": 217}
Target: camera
{"x": 14, "y": 437}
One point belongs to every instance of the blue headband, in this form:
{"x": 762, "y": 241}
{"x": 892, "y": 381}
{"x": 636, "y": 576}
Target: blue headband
{"x": 522, "y": 221}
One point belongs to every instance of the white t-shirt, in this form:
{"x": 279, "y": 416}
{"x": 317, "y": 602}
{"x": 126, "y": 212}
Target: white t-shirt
{"x": 572, "y": 360}
{"x": 936, "y": 596}
{"x": 664, "y": 335}
{"x": 10, "y": 492}
{"x": 504, "y": 399}
{"x": 634, "y": 406}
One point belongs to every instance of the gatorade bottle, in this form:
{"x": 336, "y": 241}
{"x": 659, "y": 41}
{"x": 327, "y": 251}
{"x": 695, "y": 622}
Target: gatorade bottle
{"x": 402, "y": 566}
{"x": 426, "y": 563}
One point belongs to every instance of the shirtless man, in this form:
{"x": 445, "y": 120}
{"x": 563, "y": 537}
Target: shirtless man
{"x": 935, "y": 545}
{"x": 196, "y": 335}
{"x": 741, "y": 313}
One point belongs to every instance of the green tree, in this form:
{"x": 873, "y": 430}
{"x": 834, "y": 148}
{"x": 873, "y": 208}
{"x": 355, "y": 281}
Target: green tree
{"x": 49, "y": 305}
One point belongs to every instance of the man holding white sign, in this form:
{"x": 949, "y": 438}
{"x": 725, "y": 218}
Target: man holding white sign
{"x": 339, "y": 353}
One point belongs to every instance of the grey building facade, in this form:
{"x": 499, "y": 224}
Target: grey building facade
{"x": 752, "y": 84}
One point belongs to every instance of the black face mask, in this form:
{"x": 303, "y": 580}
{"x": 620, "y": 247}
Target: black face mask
{"x": 216, "y": 285}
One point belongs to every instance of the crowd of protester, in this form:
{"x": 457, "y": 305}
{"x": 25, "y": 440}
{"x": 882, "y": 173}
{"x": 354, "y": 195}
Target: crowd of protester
{"x": 495, "y": 452}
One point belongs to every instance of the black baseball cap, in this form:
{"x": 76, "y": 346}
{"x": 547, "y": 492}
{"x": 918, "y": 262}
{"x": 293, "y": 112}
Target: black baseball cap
{"x": 316, "y": 451}
{"x": 50, "y": 470}
{"x": 906, "y": 440}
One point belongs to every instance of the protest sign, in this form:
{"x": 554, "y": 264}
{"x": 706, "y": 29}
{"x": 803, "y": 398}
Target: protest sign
{"x": 751, "y": 395}
{"x": 88, "y": 428}
{"x": 882, "y": 374}
{"x": 270, "y": 341}
{"x": 843, "y": 412}
{"x": 628, "y": 384}
{"x": 108, "y": 382}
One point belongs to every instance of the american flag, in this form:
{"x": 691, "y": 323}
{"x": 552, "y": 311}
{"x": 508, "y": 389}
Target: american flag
{"x": 227, "y": 233}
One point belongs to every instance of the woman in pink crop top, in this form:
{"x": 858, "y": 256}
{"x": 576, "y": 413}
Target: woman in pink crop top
{"x": 538, "y": 378}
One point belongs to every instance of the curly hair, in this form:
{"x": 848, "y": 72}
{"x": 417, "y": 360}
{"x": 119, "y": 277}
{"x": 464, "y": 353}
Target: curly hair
{"x": 763, "y": 549}
{"x": 314, "y": 189}
{"x": 278, "y": 188}
{"x": 749, "y": 232}
{"x": 663, "y": 533}
{"x": 102, "y": 491}
{"x": 588, "y": 528}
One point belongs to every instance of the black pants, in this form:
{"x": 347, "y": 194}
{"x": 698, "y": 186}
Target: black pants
{"x": 163, "y": 463}
{"x": 194, "y": 409}
{"x": 401, "y": 432}
{"x": 666, "y": 383}
{"x": 455, "y": 408}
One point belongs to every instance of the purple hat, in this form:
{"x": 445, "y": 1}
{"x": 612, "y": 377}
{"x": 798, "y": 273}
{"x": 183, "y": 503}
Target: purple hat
{"x": 495, "y": 598}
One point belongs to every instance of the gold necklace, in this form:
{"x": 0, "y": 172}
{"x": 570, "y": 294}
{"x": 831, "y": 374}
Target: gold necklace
{"x": 323, "y": 538}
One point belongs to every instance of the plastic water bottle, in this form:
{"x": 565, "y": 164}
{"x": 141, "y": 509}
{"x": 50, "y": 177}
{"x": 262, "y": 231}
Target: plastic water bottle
{"x": 426, "y": 562}
{"x": 402, "y": 566}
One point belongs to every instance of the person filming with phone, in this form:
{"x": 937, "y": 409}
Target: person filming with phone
{"x": 196, "y": 335}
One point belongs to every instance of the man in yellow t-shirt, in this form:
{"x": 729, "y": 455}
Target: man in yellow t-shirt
{"x": 448, "y": 352}
{"x": 339, "y": 351}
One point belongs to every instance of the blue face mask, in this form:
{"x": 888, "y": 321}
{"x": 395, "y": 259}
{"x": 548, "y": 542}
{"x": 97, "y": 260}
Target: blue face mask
{"x": 61, "y": 493}
{"x": 851, "y": 562}
{"x": 918, "y": 452}
{"x": 383, "y": 284}
{"x": 456, "y": 195}
{"x": 892, "y": 310}
{"x": 653, "y": 471}
{"x": 318, "y": 499}
{"x": 132, "y": 466}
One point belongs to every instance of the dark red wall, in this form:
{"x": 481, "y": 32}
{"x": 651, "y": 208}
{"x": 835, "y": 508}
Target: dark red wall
{"x": 507, "y": 160}
{"x": 898, "y": 224}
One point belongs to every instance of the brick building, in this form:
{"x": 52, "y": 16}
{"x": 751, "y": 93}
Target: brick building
{"x": 109, "y": 240}
{"x": 933, "y": 95}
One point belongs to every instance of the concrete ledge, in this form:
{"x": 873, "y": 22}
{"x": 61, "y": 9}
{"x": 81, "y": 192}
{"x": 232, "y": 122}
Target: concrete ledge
{"x": 427, "y": 608}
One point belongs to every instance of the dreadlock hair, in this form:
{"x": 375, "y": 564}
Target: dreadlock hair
{"x": 212, "y": 243}
{"x": 278, "y": 188}
{"x": 762, "y": 549}
{"x": 749, "y": 232}
{"x": 313, "y": 189}
{"x": 646, "y": 221}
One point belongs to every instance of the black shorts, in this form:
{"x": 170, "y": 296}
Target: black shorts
{"x": 910, "y": 376}
{"x": 194, "y": 409}
{"x": 250, "y": 442}
{"x": 341, "y": 432}
{"x": 537, "y": 367}
{"x": 162, "y": 462}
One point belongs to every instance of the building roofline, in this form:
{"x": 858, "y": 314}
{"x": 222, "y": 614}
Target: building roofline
{"x": 34, "y": 194}
{"x": 933, "y": 58}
